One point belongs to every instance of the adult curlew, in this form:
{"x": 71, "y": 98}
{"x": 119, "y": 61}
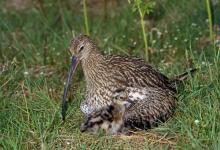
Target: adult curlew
{"x": 152, "y": 93}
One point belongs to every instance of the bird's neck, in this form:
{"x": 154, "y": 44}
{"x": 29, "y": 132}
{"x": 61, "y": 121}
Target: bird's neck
{"x": 93, "y": 68}
{"x": 119, "y": 111}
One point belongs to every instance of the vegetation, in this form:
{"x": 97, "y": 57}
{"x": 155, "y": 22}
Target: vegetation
{"x": 34, "y": 62}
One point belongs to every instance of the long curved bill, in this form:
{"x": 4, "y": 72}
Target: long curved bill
{"x": 72, "y": 68}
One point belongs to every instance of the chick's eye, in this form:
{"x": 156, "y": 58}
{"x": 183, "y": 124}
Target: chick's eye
{"x": 81, "y": 48}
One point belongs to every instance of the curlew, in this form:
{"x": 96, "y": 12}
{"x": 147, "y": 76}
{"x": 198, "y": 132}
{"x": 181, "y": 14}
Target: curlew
{"x": 152, "y": 93}
{"x": 110, "y": 118}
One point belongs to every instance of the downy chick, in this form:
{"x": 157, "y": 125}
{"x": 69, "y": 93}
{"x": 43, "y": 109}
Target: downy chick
{"x": 110, "y": 118}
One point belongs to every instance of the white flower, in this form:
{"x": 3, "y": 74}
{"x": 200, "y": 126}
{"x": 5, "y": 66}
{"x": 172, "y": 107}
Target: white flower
{"x": 26, "y": 73}
{"x": 196, "y": 121}
{"x": 194, "y": 24}
{"x": 41, "y": 73}
{"x": 154, "y": 41}
{"x": 176, "y": 38}
{"x": 207, "y": 20}
{"x": 105, "y": 39}
{"x": 185, "y": 40}
{"x": 203, "y": 63}
{"x": 159, "y": 33}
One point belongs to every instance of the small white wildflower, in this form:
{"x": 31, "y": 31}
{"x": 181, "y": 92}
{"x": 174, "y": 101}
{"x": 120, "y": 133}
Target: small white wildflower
{"x": 194, "y": 24}
{"x": 58, "y": 54}
{"x": 68, "y": 143}
{"x": 165, "y": 31}
{"x": 217, "y": 41}
{"x": 161, "y": 50}
{"x": 154, "y": 41}
{"x": 196, "y": 38}
{"x": 185, "y": 40}
{"x": 64, "y": 83}
{"x": 105, "y": 39}
{"x": 41, "y": 73}
{"x": 26, "y": 73}
{"x": 203, "y": 63}
{"x": 159, "y": 34}
{"x": 50, "y": 90}
{"x": 175, "y": 38}
{"x": 196, "y": 121}
{"x": 207, "y": 20}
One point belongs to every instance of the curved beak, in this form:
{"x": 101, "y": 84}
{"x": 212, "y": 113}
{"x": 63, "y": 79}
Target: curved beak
{"x": 72, "y": 68}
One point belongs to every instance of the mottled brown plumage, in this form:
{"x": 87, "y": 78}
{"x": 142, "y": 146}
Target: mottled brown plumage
{"x": 153, "y": 94}
{"x": 109, "y": 118}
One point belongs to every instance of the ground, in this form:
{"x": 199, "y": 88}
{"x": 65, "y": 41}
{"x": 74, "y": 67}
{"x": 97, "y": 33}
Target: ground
{"x": 34, "y": 62}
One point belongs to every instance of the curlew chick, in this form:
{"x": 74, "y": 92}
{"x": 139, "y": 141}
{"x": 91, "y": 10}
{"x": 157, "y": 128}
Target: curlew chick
{"x": 110, "y": 118}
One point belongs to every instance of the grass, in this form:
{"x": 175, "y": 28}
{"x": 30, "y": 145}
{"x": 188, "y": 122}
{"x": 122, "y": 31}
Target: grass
{"x": 34, "y": 62}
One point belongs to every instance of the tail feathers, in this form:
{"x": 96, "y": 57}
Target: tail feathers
{"x": 182, "y": 77}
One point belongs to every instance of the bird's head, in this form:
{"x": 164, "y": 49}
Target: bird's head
{"x": 81, "y": 47}
{"x": 120, "y": 97}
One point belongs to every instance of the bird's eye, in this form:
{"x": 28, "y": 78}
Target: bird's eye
{"x": 81, "y": 48}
